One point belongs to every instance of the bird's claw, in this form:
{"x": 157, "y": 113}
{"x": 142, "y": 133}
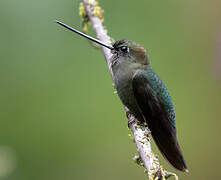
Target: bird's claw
{"x": 130, "y": 122}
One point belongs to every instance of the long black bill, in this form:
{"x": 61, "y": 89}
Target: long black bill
{"x": 84, "y": 35}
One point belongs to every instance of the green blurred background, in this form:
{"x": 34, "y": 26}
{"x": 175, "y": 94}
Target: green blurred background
{"x": 60, "y": 118}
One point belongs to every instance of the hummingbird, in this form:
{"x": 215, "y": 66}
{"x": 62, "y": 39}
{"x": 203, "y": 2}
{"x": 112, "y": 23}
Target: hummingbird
{"x": 143, "y": 92}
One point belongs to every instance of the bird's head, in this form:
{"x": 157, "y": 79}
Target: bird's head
{"x": 130, "y": 51}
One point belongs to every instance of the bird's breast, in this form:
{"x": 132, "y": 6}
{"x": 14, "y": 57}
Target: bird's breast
{"x": 123, "y": 75}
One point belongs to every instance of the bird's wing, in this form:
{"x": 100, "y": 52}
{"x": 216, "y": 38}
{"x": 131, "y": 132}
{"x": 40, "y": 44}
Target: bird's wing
{"x": 154, "y": 108}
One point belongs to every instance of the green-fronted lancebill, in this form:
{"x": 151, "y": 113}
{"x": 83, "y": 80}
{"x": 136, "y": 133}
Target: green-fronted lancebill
{"x": 142, "y": 91}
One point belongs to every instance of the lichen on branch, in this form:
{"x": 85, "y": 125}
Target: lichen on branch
{"x": 97, "y": 11}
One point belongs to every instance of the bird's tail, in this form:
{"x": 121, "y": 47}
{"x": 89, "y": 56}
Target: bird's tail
{"x": 169, "y": 147}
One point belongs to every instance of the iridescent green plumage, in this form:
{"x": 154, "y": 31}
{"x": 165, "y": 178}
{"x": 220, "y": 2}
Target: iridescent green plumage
{"x": 146, "y": 96}
{"x": 161, "y": 91}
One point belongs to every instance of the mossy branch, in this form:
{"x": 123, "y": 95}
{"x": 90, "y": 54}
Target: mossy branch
{"x": 91, "y": 12}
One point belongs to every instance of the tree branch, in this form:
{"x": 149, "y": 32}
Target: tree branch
{"x": 90, "y": 11}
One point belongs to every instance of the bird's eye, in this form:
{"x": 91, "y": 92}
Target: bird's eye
{"x": 124, "y": 49}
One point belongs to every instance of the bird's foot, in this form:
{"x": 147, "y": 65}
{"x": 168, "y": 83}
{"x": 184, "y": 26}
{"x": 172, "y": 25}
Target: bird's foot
{"x": 131, "y": 118}
{"x": 130, "y": 122}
